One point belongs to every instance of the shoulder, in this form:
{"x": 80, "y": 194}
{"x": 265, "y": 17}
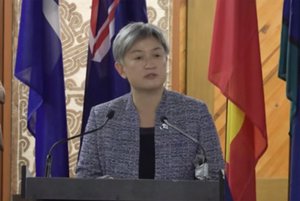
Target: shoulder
{"x": 180, "y": 107}
{"x": 120, "y": 101}
{"x": 116, "y": 104}
{"x": 181, "y": 100}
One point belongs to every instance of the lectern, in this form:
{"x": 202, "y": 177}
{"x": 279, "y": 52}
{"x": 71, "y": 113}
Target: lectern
{"x": 41, "y": 188}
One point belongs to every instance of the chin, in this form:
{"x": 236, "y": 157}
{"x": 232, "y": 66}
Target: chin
{"x": 155, "y": 88}
{"x": 151, "y": 88}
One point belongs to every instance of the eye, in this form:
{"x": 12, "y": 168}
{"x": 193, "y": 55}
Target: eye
{"x": 158, "y": 53}
{"x": 138, "y": 58}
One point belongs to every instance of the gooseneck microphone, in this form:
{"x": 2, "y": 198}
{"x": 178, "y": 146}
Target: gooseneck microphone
{"x": 165, "y": 121}
{"x": 200, "y": 161}
{"x": 110, "y": 115}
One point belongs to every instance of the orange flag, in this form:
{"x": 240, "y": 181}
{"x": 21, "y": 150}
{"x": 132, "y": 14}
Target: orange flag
{"x": 235, "y": 68}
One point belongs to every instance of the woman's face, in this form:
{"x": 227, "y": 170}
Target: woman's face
{"x": 144, "y": 65}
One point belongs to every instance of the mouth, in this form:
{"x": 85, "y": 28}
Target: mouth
{"x": 151, "y": 76}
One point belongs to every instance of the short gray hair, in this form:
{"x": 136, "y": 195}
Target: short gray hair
{"x": 133, "y": 32}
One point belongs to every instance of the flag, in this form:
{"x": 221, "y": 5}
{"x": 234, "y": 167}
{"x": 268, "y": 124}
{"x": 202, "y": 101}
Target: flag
{"x": 235, "y": 68}
{"x": 103, "y": 83}
{"x": 39, "y": 66}
{"x": 289, "y": 70}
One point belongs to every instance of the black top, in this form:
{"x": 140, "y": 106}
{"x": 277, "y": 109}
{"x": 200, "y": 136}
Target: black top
{"x": 147, "y": 154}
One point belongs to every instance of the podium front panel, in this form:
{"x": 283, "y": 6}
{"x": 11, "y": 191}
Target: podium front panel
{"x": 39, "y": 188}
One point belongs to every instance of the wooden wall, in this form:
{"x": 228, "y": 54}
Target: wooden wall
{"x": 272, "y": 169}
{"x": 274, "y": 163}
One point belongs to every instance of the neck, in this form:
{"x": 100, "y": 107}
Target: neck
{"x": 146, "y": 104}
{"x": 145, "y": 100}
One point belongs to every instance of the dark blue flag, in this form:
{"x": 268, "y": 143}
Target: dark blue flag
{"x": 39, "y": 65}
{"x": 103, "y": 83}
{"x": 289, "y": 70}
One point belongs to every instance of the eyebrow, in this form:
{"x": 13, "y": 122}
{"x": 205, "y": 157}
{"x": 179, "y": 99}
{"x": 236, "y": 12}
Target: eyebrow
{"x": 138, "y": 51}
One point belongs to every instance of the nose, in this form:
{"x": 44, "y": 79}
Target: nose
{"x": 149, "y": 63}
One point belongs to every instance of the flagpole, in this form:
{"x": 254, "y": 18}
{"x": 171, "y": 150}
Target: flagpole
{"x": 290, "y": 160}
{"x": 226, "y": 118}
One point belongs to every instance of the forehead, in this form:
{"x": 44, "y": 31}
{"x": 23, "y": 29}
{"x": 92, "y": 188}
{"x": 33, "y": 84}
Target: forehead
{"x": 144, "y": 44}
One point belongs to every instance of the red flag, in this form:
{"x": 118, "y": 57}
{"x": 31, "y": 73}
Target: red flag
{"x": 235, "y": 68}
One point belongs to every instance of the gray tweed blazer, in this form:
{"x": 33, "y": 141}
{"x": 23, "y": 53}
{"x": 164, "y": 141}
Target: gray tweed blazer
{"x": 114, "y": 150}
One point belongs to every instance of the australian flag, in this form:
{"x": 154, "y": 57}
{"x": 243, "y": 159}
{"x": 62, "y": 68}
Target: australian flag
{"x": 103, "y": 83}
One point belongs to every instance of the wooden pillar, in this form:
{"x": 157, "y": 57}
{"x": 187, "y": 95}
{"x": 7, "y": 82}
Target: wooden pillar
{"x": 199, "y": 32}
{"x": 6, "y": 76}
{"x": 179, "y": 46}
{"x": 1, "y": 78}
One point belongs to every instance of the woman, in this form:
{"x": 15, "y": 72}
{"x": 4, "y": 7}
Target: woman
{"x": 135, "y": 143}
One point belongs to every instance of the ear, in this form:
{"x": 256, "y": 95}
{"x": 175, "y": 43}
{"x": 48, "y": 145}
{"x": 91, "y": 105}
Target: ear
{"x": 120, "y": 69}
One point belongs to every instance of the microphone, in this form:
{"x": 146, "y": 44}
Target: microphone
{"x": 110, "y": 115}
{"x": 200, "y": 162}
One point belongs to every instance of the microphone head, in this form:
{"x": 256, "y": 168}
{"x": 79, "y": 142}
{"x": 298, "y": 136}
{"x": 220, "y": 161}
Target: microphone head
{"x": 163, "y": 119}
{"x": 110, "y": 114}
